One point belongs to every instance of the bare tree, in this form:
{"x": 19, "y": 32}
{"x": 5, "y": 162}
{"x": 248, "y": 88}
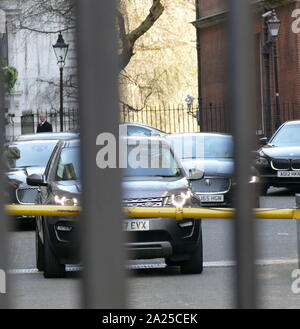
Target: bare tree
{"x": 157, "y": 46}
{"x": 59, "y": 15}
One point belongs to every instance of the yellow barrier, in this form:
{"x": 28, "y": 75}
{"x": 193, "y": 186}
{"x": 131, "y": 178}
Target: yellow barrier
{"x": 34, "y": 210}
{"x": 152, "y": 212}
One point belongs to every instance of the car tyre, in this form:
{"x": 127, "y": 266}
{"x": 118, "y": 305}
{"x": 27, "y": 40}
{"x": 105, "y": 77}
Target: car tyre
{"x": 52, "y": 267}
{"x": 39, "y": 250}
{"x": 195, "y": 264}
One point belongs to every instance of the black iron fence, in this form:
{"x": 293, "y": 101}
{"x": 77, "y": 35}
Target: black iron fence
{"x": 209, "y": 117}
{"x": 172, "y": 119}
{"x": 70, "y": 121}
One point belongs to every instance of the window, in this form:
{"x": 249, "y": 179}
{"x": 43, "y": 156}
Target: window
{"x": 68, "y": 167}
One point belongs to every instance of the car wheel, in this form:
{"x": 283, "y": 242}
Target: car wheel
{"x": 52, "y": 267}
{"x": 39, "y": 251}
{"x": 195, "y": 264}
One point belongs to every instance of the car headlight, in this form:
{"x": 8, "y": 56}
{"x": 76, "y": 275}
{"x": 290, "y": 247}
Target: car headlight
{"x": 254, "y": 180}
{"x": 64, "y": 201}
{"x": 179, "y": 200}
{"x": 261, "y": 161}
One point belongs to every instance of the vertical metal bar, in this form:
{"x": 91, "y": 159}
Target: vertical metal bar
{"x": 3, "y": 217}
{"x": 198, "y": 15}
{"x": 298, "y": 228}
{"x": 61, "y": 110}
{"x": 278, "y": 116}
{"x": 104, "y": 282}
{"x": 267, "y": 107}
{"x": 242, "y": 102}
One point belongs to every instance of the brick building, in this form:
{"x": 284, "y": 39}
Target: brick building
{"x": 212, "y": 50}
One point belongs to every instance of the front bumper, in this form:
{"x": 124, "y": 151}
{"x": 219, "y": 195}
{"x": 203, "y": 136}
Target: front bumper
{"x": 268, "y": 177}
{"x": 145, "y": 250}
{"x": 211, "y": 188}
{"x": 165, "y": 238}
{"x": 63, "y": 234}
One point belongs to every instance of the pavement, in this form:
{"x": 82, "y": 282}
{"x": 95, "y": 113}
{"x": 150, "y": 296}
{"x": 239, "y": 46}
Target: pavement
{"x": 162, "y": 288}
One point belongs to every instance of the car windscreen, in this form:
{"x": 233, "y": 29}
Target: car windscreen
{"x": 153, "y": 159}
{"x": 29, "y": 154}
{"x": 202, "y": 146}
{"x": 288, "y": 135}
{"x": 68, "y": 167}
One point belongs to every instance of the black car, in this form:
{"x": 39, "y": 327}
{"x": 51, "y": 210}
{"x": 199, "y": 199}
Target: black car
{"x": 214, "y": 154}
{"x": 23, "y": 158}
{"x": 278, "y": 160}
{"x": 180, "y": 243}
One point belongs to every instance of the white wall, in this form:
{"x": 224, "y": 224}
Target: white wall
{"x": 33, "y": 56}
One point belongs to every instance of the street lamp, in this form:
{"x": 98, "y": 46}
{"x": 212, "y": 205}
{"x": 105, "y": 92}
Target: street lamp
{"x": 274, "y": 25}
{"x": 61, "y": 50}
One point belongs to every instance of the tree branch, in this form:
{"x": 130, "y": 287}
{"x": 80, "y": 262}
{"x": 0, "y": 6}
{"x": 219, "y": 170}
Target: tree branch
{"x": 129, "y": 40}
{"x": 23, "y": 27}
{"x": 155, "y": 12}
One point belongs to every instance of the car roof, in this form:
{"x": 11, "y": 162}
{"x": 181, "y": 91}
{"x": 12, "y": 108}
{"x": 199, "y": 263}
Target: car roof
{"x": 142, "y": 139}
{"x": 141, "y": 125}
{"x": 74, "y": 142}
{"x": 39, "y": 141}
{"x": 292, "y": 122}
{"x": 43, "y": 136}
{"x": 197, "y": 134}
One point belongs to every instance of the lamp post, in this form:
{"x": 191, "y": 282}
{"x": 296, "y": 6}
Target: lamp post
{"x": 61, "y": 50}
{"x": 274, "y": 25}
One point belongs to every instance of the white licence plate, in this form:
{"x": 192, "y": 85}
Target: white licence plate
{"x": 211, "y": 198}
{"x": 295, "y": 173}
{"x": 136, "y": 225}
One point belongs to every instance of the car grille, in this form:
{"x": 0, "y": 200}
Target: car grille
{"x": 143, "y": 202}
{"x": 281, "y": 164}
{"x": 27, "y": 195}
{"x": 296, "y": 164}
{"x": 211, "y": 185}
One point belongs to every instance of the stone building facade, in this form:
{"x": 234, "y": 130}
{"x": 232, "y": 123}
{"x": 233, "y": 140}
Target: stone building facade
{"x": 37, "y": 87}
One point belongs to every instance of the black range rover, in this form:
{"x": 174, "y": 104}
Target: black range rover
{"x": 167, "y": 184}
{"x": 278, "y": 160}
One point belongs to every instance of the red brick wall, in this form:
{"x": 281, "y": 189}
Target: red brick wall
{"x": 213, "y": 64}
{"x": 213, "y": 42}
{"x": 211, "y": 7}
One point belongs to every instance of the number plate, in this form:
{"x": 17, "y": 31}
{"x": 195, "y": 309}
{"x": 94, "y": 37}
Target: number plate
{"x": 295, "y": 173}
{"x": 136, "y": 225}
{"x": 211, "y": 197}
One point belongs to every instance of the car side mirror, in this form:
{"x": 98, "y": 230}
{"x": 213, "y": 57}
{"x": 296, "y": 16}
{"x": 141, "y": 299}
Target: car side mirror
{"x": 195, "y": 174}
{"x": 36, "y": 180}
{"x": 263, "y": 140}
